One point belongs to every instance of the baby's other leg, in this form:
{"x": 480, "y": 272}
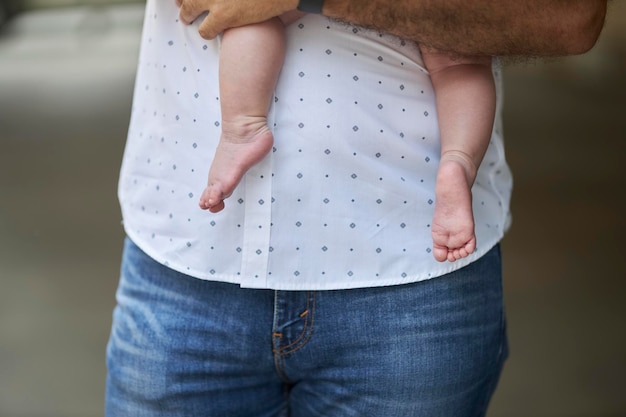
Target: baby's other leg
{"x": 453, "y": 222}
{"x": 465, "y": 93}
{"x": 250, "y": 61}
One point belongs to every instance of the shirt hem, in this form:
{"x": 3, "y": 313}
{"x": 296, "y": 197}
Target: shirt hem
{"x": 447, "y": 268}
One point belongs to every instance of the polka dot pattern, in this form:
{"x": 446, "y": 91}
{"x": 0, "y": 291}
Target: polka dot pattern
{"x": 345, "y": 198}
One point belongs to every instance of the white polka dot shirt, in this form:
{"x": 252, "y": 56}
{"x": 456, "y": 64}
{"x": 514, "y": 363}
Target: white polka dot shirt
{"x": 346, "y": 197}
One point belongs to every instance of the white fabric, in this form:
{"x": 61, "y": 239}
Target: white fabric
{"x": 346, "y": 197}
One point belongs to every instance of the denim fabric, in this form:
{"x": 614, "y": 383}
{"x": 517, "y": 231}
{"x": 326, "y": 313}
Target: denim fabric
{"x": 181, "y": 346}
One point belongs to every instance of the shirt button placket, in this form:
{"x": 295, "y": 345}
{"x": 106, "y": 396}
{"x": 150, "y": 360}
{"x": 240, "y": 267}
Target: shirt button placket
{"x": 256, "y": 233}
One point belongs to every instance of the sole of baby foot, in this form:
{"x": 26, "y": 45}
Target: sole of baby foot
{"x": 453, "y": 222}
{"x": 231, "y": 162}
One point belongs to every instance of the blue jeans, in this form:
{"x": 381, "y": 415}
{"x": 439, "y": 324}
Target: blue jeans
{"x": 181, "y": 346}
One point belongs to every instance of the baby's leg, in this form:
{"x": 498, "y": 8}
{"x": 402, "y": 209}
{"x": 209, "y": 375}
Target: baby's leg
{"x": 465, "y": 93}
{"x": 250, "y": 60}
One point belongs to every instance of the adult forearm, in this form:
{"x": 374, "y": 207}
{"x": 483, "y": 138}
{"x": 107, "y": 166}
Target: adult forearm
{"x": 482, "y": 27}
{"x": 473, "y": 27}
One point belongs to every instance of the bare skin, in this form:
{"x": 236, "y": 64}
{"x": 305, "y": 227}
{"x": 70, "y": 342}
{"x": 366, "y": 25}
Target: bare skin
{"x": 250, "y": 61}
{"x": 466, "y": 97}
{"x": 478, "y": 27}
{"x": 452, "y": 227}
{"x": 244, "y": 142}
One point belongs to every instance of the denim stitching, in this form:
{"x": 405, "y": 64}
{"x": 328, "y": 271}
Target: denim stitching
{"x": 307, "y": 330}
{"x": 276, "y": 338}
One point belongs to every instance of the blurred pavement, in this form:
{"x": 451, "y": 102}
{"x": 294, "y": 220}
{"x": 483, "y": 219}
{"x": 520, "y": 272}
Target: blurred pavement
{"x": 66, "y": 80}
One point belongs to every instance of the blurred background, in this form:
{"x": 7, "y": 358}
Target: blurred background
{"x": 66, "y": 78}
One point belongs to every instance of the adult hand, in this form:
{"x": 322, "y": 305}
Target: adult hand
{"x": 224, "y": 14}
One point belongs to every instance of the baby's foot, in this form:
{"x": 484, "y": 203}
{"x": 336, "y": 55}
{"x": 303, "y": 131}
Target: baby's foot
{"x": 241, "y": 145}
{"x": 453, "y": 222}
